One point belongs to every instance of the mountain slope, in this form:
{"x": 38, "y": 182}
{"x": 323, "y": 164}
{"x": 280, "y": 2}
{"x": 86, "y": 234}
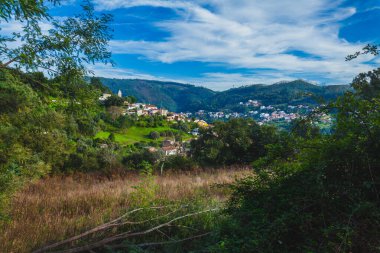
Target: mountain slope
{"x": 184, "y": 97}
{"x": 295, "y": 92}
{"x": 171, "y": 95}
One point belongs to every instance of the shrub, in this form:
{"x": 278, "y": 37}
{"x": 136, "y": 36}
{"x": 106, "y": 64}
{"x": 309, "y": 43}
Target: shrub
{"x": 154, "y": 135}
{"x": 179, "y": 162}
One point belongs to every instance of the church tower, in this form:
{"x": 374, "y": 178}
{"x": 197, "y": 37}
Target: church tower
{"x": 119, "y": 94}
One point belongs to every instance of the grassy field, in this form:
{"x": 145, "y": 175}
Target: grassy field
{"x": 56, "y": 208}
{"x": 137, "y": 134}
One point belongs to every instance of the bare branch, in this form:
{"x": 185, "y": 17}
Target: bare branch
{"x": 102, "y": 227}
{"x": 125, "y": 235}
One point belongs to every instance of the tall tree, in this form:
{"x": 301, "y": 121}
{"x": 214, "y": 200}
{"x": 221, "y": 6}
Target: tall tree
{"x": 66, "y": 48}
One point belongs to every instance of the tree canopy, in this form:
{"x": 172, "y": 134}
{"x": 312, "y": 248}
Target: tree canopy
{"x": 65, "y": 48}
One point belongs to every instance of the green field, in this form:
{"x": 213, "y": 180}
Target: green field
{"x": 137, "y": 134}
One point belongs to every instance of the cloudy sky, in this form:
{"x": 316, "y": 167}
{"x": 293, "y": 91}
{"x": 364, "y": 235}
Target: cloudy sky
{"x": 224, "y": 43}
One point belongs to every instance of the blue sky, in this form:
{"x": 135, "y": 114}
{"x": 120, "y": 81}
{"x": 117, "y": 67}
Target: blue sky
{"x": 224, "y": 43}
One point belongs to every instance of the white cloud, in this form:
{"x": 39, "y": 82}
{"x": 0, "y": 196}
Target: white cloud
{"x": 109, "y": 71}
{"x": 251, "y": 34}
{"x": 215, "y": 81}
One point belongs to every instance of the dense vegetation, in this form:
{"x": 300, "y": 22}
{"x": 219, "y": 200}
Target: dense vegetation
{"x": 323, "y": 195}
{"x": 188, "y": 98}
{"x": 238, "y": 141}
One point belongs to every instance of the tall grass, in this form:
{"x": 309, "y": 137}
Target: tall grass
{"x": 59, "y": 207}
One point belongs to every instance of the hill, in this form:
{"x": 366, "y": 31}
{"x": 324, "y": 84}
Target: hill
{"x": 173, "y": 96}
{"x": 185, "y": 97}
{"x": 291, "y": 93}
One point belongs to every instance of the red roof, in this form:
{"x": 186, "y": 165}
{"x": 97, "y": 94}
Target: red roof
{"x": 169, "y": 148}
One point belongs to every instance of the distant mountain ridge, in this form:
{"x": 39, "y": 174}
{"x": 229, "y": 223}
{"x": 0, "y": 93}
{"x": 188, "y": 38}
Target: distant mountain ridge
{"x": 173, "y": 96}
{"x": 181, "y": 97}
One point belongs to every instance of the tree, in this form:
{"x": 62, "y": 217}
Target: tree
{"x": 114, "y": 101}
{"x": 111, "y": 137}
{"x": 131, "y": 99}
{"x": 237, "y": 141}
{"x": 64, "y": 49}
{"x": 34, "y": 131}
{"x": 97, "y": 83}
{"x": 154, "y": 135}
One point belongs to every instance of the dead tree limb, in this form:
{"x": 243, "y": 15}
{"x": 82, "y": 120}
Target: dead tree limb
{"x": 97, "y": 229}
{"x": 126, "y": 235}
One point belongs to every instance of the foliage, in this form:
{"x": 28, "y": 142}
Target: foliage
{"x": 114, "y": 101}
{"x": 179, "y": 162}
{"x": 64, "y": 49}
{"x": 238, "y": 141}
{"x": 323, "y": 196}
{"x": 139, "y": 160}
{"x": 97, "y": 84}
{"x": 42, "y": 119}
{"x": 154, "y": 135}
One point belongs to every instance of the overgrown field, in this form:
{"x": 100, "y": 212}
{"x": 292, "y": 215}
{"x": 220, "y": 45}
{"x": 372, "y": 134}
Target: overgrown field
{"x": 56, "y": 208}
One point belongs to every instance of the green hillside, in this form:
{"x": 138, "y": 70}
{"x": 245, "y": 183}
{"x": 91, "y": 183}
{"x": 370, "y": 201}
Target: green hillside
{"x": 173, "y": 96}
{"x": 180, "y": 97}
{"x": 295, "y": 92}
{"x": 139, "y": 134}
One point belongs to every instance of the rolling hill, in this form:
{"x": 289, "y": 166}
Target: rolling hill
{"x": 291, "y": 93}
{"x": 176, "y": 97}
{"x": 180, "y": 97}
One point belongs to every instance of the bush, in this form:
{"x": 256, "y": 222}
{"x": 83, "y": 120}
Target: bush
{"x": 179, "y": 162}
{"x": 154, "y": 135}
{"x": 134, "y": 160}
{"x": 114, "y": 101}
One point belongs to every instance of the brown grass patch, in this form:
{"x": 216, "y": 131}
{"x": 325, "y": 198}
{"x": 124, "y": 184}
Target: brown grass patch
{"x": 59, "y": 207}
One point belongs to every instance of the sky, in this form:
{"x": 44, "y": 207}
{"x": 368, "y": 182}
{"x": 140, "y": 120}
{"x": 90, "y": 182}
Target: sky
{"x": 220, "y": 44}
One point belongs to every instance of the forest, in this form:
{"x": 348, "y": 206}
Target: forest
{"x": 244, "y": 187}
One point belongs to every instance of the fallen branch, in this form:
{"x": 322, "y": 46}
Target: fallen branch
{"x": 128, "y": 234}
{"x": 97, "y": 229}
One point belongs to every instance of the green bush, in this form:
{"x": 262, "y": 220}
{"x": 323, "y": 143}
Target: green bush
{"x": 179, "y": 162}
{"x": 154, "y": 135}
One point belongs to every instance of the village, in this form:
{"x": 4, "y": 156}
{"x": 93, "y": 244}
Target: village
{"x": 141, "y": 109}
{"x": 261, "y": 114}
{"x": 168, "y": 147}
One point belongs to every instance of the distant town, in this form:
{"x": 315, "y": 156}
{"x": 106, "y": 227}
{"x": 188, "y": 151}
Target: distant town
{"x": 262, "y": 114}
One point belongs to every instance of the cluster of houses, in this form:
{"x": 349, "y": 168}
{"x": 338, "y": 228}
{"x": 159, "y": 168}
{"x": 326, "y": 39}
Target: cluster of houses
{"x": 104, "y": 97}
{"x": 170, "y": 147}
{"x": 261, "y": 113}
{"x": 278, "y": 115}
{"x": 141, "y": 109}
{"x": 250, "y": 102}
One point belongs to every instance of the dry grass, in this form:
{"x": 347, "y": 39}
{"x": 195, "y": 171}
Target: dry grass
{"x": 56, "y": 208}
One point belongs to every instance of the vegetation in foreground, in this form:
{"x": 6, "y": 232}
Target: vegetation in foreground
{"x": 60, "y": 207}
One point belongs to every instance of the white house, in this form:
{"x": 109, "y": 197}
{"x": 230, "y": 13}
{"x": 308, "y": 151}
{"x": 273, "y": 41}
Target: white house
{"x": 170, "y": 150}
{"x": 104, "y": 97}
